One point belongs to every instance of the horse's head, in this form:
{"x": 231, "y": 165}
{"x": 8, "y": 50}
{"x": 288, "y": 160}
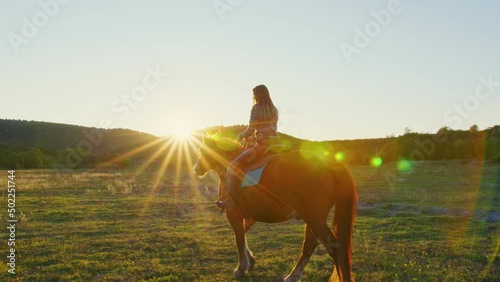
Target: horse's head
{"x": 216, "y": 153}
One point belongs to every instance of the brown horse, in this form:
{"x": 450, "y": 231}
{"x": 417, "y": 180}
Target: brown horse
{"x": 295, "y": 184}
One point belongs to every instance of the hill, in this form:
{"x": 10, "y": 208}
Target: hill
{"x": 33, "y": 144}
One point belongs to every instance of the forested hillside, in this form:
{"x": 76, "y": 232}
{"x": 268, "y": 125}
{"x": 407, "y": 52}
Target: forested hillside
{"x": 32, "y": 144}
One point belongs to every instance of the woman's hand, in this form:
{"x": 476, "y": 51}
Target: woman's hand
{"x": 247, "y": 142}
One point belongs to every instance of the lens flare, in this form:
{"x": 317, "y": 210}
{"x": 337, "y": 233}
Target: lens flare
{"x": 339, "y": 156}
{"x": 376, "y": 161}
{"x": 405, "y": 166}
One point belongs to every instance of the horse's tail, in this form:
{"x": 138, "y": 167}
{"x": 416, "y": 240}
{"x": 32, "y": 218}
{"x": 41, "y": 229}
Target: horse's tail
{"x": 343, "y": 222}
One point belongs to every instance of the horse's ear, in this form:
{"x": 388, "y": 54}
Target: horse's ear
{"x": 208, "y": 138}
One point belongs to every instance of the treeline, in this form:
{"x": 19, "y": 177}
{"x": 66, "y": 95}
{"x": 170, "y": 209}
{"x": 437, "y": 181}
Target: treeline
{"x": 443, "y": 145}
{"x": 34, "y": 145}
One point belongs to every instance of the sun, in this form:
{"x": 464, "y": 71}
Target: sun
{"x": 181, "y": 129}
{"x": 181, "y": 125}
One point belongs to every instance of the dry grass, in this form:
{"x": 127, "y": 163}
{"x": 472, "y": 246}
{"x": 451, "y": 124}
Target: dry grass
{"x": 117, "y": 226}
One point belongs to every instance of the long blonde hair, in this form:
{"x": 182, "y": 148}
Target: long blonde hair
{"x": 261, "y": 96}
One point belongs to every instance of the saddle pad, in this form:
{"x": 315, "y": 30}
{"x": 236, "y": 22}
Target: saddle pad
{"x": 252, "y": 177}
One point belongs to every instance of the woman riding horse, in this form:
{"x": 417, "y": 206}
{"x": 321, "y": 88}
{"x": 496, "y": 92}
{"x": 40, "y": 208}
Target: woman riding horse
{"x": 296, "y": 183}
{"x": 263, "y": 124}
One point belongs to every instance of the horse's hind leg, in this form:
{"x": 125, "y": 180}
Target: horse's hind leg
{"x": 308, "y": 247}
{"x": 328, "y": 239}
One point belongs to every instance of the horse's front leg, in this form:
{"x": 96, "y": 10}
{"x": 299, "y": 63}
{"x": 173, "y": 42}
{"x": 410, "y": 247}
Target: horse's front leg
{"x": 237, "y": 223}
{"x": 248, "y": 224}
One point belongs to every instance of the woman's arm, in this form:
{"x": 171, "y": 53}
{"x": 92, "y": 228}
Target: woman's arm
{"x": 251, "y": 125}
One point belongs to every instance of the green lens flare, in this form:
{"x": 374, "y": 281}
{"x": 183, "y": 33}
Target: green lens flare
{"x": 376, "y": 161}
{"x": 339, "y": 156}
{"x": 405, "y": 166}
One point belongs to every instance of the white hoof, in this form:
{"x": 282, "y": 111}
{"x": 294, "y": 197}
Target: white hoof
{"x": 239, "y": 273}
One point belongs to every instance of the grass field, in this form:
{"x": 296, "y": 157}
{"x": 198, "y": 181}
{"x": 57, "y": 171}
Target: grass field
{"x": 437, "y": 223}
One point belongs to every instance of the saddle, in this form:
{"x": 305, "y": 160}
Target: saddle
{"x": 254, "y": 170}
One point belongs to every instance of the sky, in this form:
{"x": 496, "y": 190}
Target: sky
{"x": 335, "y": 69}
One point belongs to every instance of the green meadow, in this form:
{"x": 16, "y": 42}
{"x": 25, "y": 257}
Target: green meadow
{"x": 436, "y": 221}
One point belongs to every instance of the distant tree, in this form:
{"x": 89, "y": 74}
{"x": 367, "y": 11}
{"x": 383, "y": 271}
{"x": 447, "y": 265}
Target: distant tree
{"x": 408, "y": 130}
{"x": 32, "y": 159}
{"x": 49, "y": 151}
{"x": 3, "y": 159}
{"x": 463, "y": 149}
{"x": 20, "y": 147}
{"x": 388, "y": 151}
{"x": 13, "y": 160}
{"x": 444, "y": 130}
{"x": 479, "y": 150}
{"x": 474, "y": 128}
{"x": 494, "y": 132}
{"x": 405, "y": 147}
